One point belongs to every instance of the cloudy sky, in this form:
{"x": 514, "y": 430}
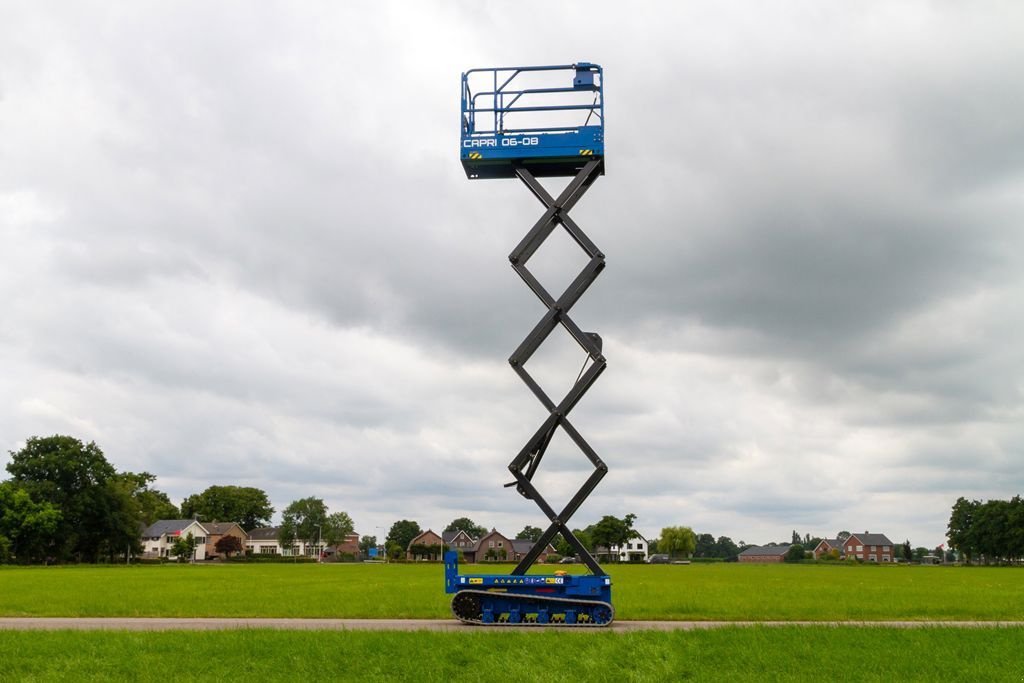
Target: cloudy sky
{"x": 237, "y": 247}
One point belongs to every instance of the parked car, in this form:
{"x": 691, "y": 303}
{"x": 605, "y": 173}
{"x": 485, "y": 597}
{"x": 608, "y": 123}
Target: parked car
{"x": 657, "y": 559}
{"x": 567, "y": 560}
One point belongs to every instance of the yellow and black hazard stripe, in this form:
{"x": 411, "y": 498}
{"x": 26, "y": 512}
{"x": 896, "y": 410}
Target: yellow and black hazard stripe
{"x": 586, "y": 152}
{"x": 476, "y": 155}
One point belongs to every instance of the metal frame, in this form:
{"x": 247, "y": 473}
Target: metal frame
{"x": 500, "y": 106}
{"x": 554, "y": 145}
{"x": 524, "y": 466}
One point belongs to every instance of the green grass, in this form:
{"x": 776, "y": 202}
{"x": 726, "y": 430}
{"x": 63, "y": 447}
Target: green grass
{"x": 698, "y": 592}
{"x": 790, "y": 653}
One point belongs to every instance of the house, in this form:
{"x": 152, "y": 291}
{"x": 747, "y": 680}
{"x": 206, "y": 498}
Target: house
{"x": 827, "y": 545}
{"x": 426, "y": 546}
{"x": 348, "y": 547}
{"x": 767, "y": 553}
{"x": 869, "y": 547}
{"x": 159, "y": 537}
{"x": 458, "y": 540}
{"x": 218, "y": 530}
{"x": 635, "y": 550}
{"x": 263, "y": 541}
{"x": 522, "y": 546}
{"x": 491, "y": 547}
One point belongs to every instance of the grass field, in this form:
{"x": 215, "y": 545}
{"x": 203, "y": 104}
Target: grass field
{"x": 790, "y": 653}
{"x": 694, "y": 592}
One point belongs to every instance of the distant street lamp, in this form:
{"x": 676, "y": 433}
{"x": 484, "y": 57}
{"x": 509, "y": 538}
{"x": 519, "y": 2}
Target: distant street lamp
{"x": 319, "y": 543}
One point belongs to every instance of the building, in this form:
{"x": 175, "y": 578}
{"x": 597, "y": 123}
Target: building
{"x": 158, "y": 538}
{"x": 348, "y": 547}
{"x": 263, "y": 541}
{"x": 767, "y": 553}
{"x": 426, "y": 546}
{"x": 869, "y": 547}
{"x": 635, "y": 550}
{"x": 218, "y": 530}
{"x": 827, "y": 545}
{"x": 522, "y": 546}
{"x": 491, "y": 547}
{"x": 458, "y": 540}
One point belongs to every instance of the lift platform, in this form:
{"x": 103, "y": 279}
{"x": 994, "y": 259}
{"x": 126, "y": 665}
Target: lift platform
{"x": 528, "y": 117}
{"x": 525, "y": 123}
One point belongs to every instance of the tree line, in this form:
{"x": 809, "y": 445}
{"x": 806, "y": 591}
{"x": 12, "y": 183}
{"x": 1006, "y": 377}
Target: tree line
{"x": 609, "y": 531}
{"x": 989, "y": 532}
{"x": 65, "y": 502}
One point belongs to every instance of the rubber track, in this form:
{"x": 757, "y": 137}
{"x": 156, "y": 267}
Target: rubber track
{"x": 530, "y": 598}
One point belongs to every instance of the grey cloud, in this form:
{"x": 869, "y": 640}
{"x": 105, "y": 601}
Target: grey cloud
{"x": 238, "y": 252}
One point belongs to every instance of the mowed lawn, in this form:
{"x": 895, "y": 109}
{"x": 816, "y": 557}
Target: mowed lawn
{"x": 758, "y": 654}
{"x": 694, "y": 592}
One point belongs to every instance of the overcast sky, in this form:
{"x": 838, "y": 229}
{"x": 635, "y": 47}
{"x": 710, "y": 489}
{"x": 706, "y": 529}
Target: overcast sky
{"x": 237, "y": 247}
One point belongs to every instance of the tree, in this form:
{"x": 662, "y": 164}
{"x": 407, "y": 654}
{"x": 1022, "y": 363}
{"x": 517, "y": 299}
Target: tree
{"x": 584, "y": 537}
{"x": 286, "y": 538}
{"x": 725, "y": 548}
{"x": 705, "y": 546}
{"x": 394, "y": 550}
{"x": 367, "y": 542}
{"x": 306, "y": 519}
{"x": 992, "y": 531}
{"x": 677, "y": 540}
{"x": 530, "y": 533}
{"x": 184, "y": 547}
{"x": 337, "y": 527}
{"x": 98, "y": 515}
{"x": 842, "y": 536}
{"x": 908, "y": 552}
{"x": 402, "y": 532}
{"x": 466, "y": 524}
{"x": 228, "y": 544}
{"x": 612, "y": 531}
{"x": 811, "y": 542}
{"x": 246, "y": 506}
{"x": 150, "y": 504}
{"x": 28, "y": 528}
{"x": 796, "y": 553}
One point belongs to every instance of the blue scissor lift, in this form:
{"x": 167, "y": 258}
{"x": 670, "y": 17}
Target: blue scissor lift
{"x": 528, "y": 122}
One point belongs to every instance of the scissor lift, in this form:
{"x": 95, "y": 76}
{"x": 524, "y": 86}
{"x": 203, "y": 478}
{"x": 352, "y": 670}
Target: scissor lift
{"x": 525, "y": 122}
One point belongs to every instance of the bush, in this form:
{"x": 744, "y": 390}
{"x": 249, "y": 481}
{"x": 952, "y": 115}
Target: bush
{"x": 796, "y": 553}
{"x": 553, "y": 558}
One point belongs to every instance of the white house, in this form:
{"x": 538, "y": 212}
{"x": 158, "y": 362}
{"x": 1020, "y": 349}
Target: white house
{"x": 159, "y": 537}
{"x": 635, "y": 550}
{"x": 263, "y": 541}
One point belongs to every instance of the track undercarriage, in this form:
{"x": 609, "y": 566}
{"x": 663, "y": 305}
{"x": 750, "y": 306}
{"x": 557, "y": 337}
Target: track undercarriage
{"x": 485, "y": 607}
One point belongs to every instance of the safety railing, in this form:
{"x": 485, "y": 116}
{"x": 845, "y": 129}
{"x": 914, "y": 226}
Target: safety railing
{"x": 532, "y": 99}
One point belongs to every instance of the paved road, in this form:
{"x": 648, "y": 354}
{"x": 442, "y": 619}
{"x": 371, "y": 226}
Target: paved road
{"x": 193, "y": 624}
